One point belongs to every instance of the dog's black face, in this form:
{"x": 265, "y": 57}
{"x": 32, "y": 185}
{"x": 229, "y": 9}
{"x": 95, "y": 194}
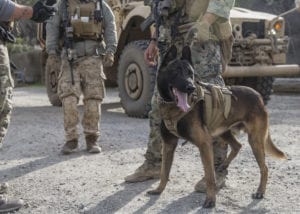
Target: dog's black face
{"x": 175, "y": 78}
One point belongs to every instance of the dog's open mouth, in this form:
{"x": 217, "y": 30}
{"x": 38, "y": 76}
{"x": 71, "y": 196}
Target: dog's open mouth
{"x": 181, "y": 99}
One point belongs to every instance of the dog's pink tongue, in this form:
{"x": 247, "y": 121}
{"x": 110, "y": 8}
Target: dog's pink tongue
{"x": 181, "y": 100}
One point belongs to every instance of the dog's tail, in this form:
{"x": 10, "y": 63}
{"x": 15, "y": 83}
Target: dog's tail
{"x": 272, "y": 149}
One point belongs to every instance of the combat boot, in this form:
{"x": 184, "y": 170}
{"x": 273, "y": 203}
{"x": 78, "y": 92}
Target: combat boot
{"x": 91, "y": 144}
{"x": 220, "y": 183}
{"x": 145, "y": 172}
{"x": 3, "y": 188}
{"x": 7, "y": 206}
{"x": 70, "y": 146}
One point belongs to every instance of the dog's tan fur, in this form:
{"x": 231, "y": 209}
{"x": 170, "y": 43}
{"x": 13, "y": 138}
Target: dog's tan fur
{"x": 247, "y": 113}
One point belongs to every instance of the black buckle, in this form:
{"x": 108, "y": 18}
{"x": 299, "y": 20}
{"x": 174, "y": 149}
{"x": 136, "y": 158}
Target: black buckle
{"x": 6, "y": 36}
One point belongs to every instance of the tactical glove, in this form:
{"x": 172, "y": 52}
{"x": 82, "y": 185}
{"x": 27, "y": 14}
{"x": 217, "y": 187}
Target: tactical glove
{"x": 42, "y": 12}
{"x": 199, "y": 32}
{"x": 53, "y": 64}
{"x": 108, "y": 59}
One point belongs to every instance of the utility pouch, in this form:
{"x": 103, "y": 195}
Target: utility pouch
{"x": 86, "y": 30}
{"x": 83, "y": 21}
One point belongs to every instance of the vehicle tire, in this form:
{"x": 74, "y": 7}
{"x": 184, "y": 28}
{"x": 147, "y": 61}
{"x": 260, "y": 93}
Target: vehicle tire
{"x": 136, "y": 80}
{"x": 51, "y": 79}
{"x": 264, "y": 85}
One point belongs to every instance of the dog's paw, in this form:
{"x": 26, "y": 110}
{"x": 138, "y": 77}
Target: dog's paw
{"x": 154, "y": 192}
{"x": 209, "y": 203}
{"x": 258, "y": 195}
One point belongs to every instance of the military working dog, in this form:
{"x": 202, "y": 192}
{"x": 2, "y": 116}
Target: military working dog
{"x": 175, "y": 84}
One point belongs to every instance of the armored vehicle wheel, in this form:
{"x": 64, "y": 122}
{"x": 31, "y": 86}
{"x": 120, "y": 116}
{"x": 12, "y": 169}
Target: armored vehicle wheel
{"x": 51, "y": 84}
{"x": 264, "y": 85}
{"x": 136, "y": 80}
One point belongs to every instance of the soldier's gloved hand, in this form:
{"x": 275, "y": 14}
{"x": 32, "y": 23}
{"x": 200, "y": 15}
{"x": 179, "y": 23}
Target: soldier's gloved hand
{"x": 42, "y": 12}
{"x": 108, "y": 59}
{"x": 53, "y": 64}
{"x": 98, "y": 15}
{"x": 199, "y": 32}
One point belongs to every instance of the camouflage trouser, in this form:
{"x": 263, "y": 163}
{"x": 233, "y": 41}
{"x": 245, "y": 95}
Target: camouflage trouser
{"x": 6, "y": 86}
{"x": 89, "y": 80}
{"x": 208, "y": 68}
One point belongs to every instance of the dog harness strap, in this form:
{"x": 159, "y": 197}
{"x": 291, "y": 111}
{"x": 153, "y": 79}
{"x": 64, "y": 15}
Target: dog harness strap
{"x": 170, "y": 113}
{"x": 217, "y": 103}
{"x": 217, "y": 106}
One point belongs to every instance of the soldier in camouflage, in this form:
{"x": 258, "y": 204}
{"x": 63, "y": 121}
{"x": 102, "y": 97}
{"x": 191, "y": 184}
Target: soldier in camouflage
{"x": 10, "y": 11}
{"x": 94, "y": 42}
{"x": 206, "y": 24}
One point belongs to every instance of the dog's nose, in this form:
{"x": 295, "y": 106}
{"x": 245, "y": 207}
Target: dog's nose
{"x": 190, "y": 88}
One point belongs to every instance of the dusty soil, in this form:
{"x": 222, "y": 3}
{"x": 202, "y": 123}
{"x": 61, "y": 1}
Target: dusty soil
{"x": 49, "y": 182}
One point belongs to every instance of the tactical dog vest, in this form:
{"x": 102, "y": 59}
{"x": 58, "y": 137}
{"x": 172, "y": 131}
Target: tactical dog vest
{"x": 217, "y": 104}
{"x": 81, "y": 15}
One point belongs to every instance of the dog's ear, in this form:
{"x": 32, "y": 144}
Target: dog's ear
{"x": 170, "y": 55}
{"x": 186, "y": 54}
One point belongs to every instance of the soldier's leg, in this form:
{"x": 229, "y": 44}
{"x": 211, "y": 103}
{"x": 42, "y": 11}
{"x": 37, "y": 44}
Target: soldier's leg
{"x": 93, "y": 88}
{"x": 6, "y": 86}
{"x": 5, "y": 111}
{"x": 208, "y": 68}
{"x": 69, "y": 95}
{"x": 150, "y": 169}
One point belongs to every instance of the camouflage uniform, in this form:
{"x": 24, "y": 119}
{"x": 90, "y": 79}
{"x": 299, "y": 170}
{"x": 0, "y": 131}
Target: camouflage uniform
{"x": 208, "y": 68}
{"x": 88, "y": 75}
{"x": 6, "y": 86}
{"x": 6, "y": 81}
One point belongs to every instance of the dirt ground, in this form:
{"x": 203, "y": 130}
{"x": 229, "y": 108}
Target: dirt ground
{"x": 48, "y": 182}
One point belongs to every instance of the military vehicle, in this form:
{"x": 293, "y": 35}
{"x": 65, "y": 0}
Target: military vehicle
{"x": 259, "y": 54}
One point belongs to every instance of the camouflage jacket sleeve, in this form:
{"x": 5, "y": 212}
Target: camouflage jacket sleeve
{"x": 220, "y": 8}
{"x": 110, "y": 32}
{"x": 53, "y": 30}
{"x": 6, "y": 9}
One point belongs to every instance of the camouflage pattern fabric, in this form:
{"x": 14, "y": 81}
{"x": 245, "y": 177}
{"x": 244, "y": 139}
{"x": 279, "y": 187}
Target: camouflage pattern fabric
{"x": 89, "y": 81}
{"x": 221, "y": 8}
{"x": 6, "y": 86}
{"x": 207, "y": 62}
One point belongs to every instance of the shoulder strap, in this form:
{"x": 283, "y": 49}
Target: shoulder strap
{"x": 99, "y": 6}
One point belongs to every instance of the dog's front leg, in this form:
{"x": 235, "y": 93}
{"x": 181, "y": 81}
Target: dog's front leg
{"x": 168, "y": 150}
{"x": 206, "y": 153}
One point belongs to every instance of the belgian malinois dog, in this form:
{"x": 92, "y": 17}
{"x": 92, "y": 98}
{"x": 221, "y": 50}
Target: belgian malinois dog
{"x": 175, "y": 83}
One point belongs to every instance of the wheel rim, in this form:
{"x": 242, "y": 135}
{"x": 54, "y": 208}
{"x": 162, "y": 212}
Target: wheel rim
{"x": 133, "y": 81}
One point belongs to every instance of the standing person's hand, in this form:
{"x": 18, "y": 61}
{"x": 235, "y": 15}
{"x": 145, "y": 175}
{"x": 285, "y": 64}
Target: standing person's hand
{"x": 108, "y": 59}
{"x": 151, "y": 53}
